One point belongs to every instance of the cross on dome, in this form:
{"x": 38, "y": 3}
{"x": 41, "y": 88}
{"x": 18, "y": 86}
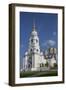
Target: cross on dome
{"x": 34, "y": 32}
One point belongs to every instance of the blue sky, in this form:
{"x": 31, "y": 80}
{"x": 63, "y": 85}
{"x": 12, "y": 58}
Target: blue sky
{"x": 46, "y": 26}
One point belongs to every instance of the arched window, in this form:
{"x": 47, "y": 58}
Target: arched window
{"x": 31, "y": 50}
{"x": 31, "y": 40}
{"x": 37, "y": 50}
{"x": 36, "y": 40}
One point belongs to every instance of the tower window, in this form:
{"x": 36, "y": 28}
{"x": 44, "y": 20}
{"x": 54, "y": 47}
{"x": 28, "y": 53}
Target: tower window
{"x": 32, "y": 40}
{"x": 37, "y": 50}
{"x": 36, "y": 40}
{"x": 31, "y": 49}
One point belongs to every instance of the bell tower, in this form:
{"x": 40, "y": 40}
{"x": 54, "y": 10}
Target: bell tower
{"x": 34, "y": 48}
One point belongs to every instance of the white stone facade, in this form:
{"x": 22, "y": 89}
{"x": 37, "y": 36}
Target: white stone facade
{"x": 34, "y": 59}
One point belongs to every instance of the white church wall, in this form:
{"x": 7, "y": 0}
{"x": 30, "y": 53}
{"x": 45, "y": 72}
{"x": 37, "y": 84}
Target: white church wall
{"x": 36, "y": 62}
{"x": 52, "y": 62}
{"x": 26, "y": 61}
{"x": 44, "y": 61}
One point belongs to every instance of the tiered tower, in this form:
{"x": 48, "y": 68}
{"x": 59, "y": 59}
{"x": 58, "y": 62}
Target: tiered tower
{"x": 34, "y": 49}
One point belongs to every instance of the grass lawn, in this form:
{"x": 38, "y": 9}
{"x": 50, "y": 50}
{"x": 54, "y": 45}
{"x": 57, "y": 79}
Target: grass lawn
{"x": 38, "y": 73}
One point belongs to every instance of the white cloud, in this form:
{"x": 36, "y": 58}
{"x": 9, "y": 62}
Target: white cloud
{"x": 49, "y": 43}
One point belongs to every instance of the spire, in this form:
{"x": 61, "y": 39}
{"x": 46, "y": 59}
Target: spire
{"x": 34, "y": 28}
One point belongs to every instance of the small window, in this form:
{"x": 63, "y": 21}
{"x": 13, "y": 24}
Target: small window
{"x": 37, "y": 50}
{"x": 31, "y": 49}
{"x": 36, "y": 40}
{"x": 32, "y": 40}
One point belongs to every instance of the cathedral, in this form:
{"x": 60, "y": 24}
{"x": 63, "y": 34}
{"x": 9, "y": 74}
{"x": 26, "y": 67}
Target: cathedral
{"x": 34, "y": 59}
